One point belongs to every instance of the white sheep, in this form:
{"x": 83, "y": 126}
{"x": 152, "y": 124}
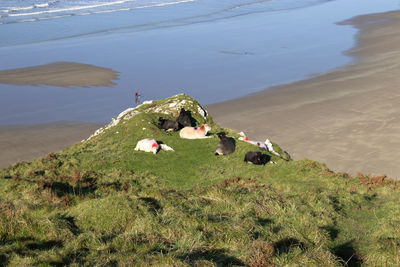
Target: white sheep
{"x": 195, "y": 132}
{"x": 151, "y": 145}
{"x": 267, "y": 145}
{"x": 147, "y": 145}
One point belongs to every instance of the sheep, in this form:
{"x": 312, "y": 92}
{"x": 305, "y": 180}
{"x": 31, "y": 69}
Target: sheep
{"x": 267, "y": 145}
{"x": 185, "y": 119}
{"x": 168, "y": 125}
{"x": 151, "y": 145}
{"x": 195, "y": 132}
{"x": 225, "y": 146}
{"x": 257, "y": 158}
{"x": 147, "y": 145}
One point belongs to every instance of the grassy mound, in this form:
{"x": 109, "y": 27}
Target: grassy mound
{"x": 100, "y": 202}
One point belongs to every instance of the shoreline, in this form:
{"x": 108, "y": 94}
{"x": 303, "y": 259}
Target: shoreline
{"x": 26, "y": 142}
{"x": 346, "y": 118}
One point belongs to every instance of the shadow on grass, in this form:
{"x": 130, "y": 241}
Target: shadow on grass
{"x": 3, "y": 260}
{"x": 283, "y": 246}
{"x": 218, "y": 218}
{"x": 217, "y": 256}
{"x": 62, "y": 189}
{"x": 264, "y": 221}
{"x": 77, "y": 257}
{"x": 332, "y": 231}
{"x": 347, "y": 254}
{"x": 71, "y": 224}
{"x": 6, "y": 240}
{"x": 44, "y": 245}
{"x": 335, "y": 203}
{"x": 152, "y": 204}
{"x": 28, "y": 248}
{"x": 117, "y": 186}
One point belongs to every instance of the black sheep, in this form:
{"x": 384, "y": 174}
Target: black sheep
{"x": 257, "y": 158}
{"x": 185, "y": 119}
{"x": 225, "y": 146}
{"x": 168, "y": 125}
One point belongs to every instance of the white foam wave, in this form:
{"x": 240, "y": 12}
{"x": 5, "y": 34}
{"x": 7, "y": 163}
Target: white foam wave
{"x": 55, "y": 17}
{"x": 28, "y": 20}
{"x": 45, "y": 4}
{"x": 140, "y": 7}
{"x": 16, "y": 9}
{"x": 73, "y": 8}
{"x": 125, "y": 5}
{"x": 97, "y": 12}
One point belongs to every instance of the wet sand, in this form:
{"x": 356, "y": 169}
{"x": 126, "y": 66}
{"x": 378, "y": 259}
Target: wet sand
{"x": 348, "y": 118}
{"x": 63, "y": 74}
{"x": 24, "y": 143}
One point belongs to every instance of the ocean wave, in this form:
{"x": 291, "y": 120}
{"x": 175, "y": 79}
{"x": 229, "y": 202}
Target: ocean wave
{"x": 33, "y": 6}
{"x": 62, "y": 10}
{"x": 86, "y": 13}
{"x": 73, "y": 8}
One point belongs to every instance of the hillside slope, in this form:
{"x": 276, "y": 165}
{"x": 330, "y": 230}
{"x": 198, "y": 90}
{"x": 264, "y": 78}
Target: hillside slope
{"x": 99, "y": 202}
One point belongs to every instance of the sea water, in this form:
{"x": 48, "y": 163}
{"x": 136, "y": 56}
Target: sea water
{"x": 211, "y": 50}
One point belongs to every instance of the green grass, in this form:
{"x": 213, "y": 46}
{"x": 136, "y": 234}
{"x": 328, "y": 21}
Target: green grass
{"x": 100, "y": 203}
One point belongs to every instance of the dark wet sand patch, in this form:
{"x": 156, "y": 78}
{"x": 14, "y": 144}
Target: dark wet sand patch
{"x": 62, "y": 74}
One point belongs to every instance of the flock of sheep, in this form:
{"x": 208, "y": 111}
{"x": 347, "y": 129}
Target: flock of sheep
{"x": 226, "y": 145}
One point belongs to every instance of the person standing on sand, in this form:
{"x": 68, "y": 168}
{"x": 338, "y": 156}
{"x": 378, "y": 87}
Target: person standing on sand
{"x": 137, "y": 97}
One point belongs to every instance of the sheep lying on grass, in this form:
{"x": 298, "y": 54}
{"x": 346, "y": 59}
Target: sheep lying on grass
{"x": 151, "y": 145}
{"x": 256, "y": 158}
{"x": 195, "y": 132}
{"x": 185, "y": 119}
{"x": 267, "y": 145}
{"x": 168, "y": 125}
{"x": 225, "y": 146}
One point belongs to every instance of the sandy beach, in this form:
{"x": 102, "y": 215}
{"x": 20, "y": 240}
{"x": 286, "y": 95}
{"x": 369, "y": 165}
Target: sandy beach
{"x": 348, "y": 118}
{"x": 62, "y": 74}
{"x": 24, "y": 143}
